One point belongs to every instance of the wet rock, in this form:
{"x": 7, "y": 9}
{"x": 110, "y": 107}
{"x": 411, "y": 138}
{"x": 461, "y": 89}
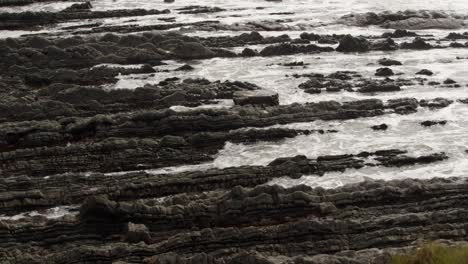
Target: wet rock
{"x": 399, "y": 33}
{"x": 294, "y": 64}
{"x": 384, "y": 72}
{"x": 457, "y": 45}
{"x": 449, "y": 81}
{"x": 195, "y": 9}
{"x": 411, "y": 20}
{"x": 425, "y": 72}
{"x": 310, "y": 36}
{"x": 403, "y": 106}
{"x": 418, "y": 44}
{"x": 405, "y": 160}
{"x": 380, "y": 127}
{"x": 389, "y": 62}
{"x": 86, "y": 6}
{"x": 328, "y": 40}
{"x": 385, "y": 45}
{"x": 430, "y": 123}
{"x": 436, "y": 103}
{"x": 353, "y": 44}
{"x": 416, "y": 23}
{"x": 256, "y": 98}
{"x": 375, "y": 87}
{"x": 313, "y": 90}
{"x": 289, "y": 49}
{"x": 185, "y": 67}
{"x": 333, "y": 89}
{"x": 455, "y": 36}
{"x": 137, "y": 233}
{"x": 23, "y": 20}
{"x": 338, "y": 213}
{"x": 250, "y": 53}
{"x": 334, "y": 82}
{"x": 192, "y": 51}
{"x": 16, "y": 2}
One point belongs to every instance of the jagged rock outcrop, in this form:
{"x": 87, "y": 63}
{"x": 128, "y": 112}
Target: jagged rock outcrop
{"x": 268, "y": 221}
{"x": 411, "y": 20}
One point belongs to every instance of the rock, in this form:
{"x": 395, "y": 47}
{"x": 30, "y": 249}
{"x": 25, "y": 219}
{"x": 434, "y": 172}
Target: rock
{"x": 389, "y": 62}
{"x": 413, "y": 20}
{"x": 28, "y": 19}
{"x": 196, "y": 9}
{"x": 455, "y": 36}
{"x": 403, "y": 105}
{"x": 327, "y": 40}
{"x": 310, "y": 36}
{"x": 137, "y": 233}
{"x": 333, "y": 89}
{"x": 294, "y": 64}
{"x": 192, "y": 51}
{"x": 185, "y": 67}
{"x": 263, "y": 98}
{"x": 353, "y": 44}
{"x": 418, "y": 44}
{"x": 436, "y": 103}
{"x": 313, "y": 90}
{"x": 251, "y": 37}
{"x": 425, "y": 72}
{"x": 375, "y": 87}
{"x": 416, "y": 23}
{"x": 289, "y": 49}
{"x": 385, "y": 45}
{"x": 449, "y": 81}
{"x": 384, "y": 72}
{"x": 399, "y": 33}
{"x": 380, "y": 127}
{"x": 16, "y": 2}
{"x": 433, "y": 123}
{"x": 249, "y": 53}
{"x": 86, "y": 6}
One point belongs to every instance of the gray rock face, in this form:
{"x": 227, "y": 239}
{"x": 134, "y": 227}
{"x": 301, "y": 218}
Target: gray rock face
{"x": 93, "y": 174}
{"x": 192, "y": 50}
{"x": 255, "y": 224}
{"x": 405, "y": 20}
{"x": 372, "y": 88}
{"x": 352, "y": 44}
{"x": 416, "y": 23}
{"x": 256, "y": 98}
{"x": 389, "y": 62}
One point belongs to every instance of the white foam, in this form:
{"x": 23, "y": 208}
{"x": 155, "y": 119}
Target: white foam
{"x": 51, "y": 213}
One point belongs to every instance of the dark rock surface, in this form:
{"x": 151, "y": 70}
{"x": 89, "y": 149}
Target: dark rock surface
{"x": 328, "y": 222}
{"x": 380, "y": 127}
{"x": 353, "y": 44}
{"x": 255, "y": 98}
{"x": 46, "y": 147}
{"x": 119, "y": 145}
{"x": 425, "y": 72}
{"x": 15, "y": 21}
{"x": 372, "y": 88}
{"x": 384, "y": 72}
{"x": 389, "y": 62}
{"x": 430, "y": 123}
{"x": 409, "y": 20}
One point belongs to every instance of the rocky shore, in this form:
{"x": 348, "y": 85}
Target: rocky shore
{"x": 114, "y": 123}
